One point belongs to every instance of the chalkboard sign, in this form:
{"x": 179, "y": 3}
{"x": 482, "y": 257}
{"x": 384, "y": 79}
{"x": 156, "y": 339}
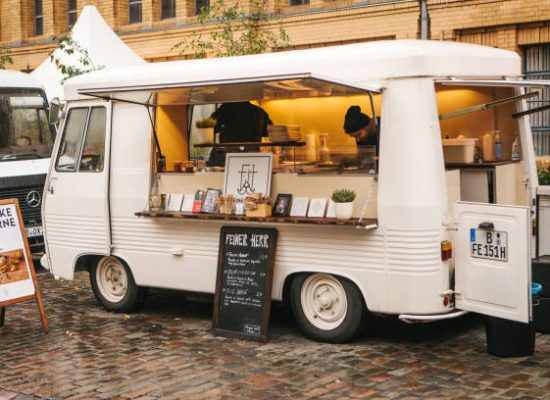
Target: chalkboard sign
{"x": 243, "y": 286}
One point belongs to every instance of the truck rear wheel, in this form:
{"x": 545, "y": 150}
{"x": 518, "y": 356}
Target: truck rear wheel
{"x": 114, "y": 286}
{"x": 327, "y": 308}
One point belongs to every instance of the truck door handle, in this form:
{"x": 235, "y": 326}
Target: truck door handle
{"x": 488, "y": 226}
{"x": 51, "y": 189}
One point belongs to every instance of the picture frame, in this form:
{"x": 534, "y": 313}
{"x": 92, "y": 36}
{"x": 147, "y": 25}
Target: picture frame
{"x": 331, "y": 209}
{"x": 317, "y": 207}
{"x": 210, "y": 202}
{"x": 299, "y": 207}
{"x": 247, "y": 173}
{"x": 281, "y": 207}
{"x": 187, "y": 204}
{"x": 197, "y": 201}
{"x": 174, "y": 202}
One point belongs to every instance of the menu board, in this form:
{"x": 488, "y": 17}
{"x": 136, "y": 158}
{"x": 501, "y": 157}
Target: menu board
{"x": 15, "y": 272}
{"x": 243, "y": 285}
{"x": 17, "y": 278}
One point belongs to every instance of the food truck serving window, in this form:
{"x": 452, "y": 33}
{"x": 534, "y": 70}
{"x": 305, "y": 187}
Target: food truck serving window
{"x": 297, "y": 117}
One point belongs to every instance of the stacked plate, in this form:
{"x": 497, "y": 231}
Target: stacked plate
{"x": 294, "y": 132}
{"x": 277, "y": 133}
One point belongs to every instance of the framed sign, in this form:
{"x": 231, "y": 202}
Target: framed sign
{"x": 242, "y": 301}
{"x": 281, "y": 208}
{"x": 247, "y": 173}
{"x": 17, "y": 277}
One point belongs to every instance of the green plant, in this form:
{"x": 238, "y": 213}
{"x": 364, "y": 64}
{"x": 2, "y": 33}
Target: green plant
{"x": 71, "y": 47}
{"x": 544, "y": 176}
{"x": 5, "y": 58}
{"x": 207, "y": 122}
{"x": 343, "y": 196}
{"x": 238, "y": 31}
{"x": 543, "y": 170}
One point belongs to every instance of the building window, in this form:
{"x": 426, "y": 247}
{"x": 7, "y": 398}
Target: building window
{"x": 134, "y": 11}
{"x": 297, "y": 2}
{"x": 167, "y": 9}
{"x": 536, "y": 65}
{"x": 38, "y": 18}
{"x": 200, "y": 4}
{"x": 71, "y": 13}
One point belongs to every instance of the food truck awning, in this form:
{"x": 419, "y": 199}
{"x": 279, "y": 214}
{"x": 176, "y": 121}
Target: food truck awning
{"x": 495, "y": 82}
{"x": 270, "y": 87}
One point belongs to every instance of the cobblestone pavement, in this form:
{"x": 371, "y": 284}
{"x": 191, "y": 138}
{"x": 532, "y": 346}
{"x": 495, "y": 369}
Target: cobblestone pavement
{"x": 168, "y": 351}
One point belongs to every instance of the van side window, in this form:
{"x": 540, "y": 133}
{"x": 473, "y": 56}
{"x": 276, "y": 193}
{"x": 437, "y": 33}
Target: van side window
{"x": 93, "y": 151}
{"x": 72, "y": 140}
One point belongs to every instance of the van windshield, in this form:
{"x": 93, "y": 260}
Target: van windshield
{"x": 25, "y": 132}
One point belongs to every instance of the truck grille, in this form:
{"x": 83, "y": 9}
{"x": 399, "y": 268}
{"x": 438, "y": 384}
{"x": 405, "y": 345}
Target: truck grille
{"x": 31, "y": 215}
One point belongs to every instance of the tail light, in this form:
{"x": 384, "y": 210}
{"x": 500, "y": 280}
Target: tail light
{"x": 446, "y": 250}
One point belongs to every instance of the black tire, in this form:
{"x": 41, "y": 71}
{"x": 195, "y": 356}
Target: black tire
{"x": 315, "y": 321}
{"x": 114, "y": 286}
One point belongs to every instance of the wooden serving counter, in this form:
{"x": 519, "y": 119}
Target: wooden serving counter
{"x": 365, "y": 223}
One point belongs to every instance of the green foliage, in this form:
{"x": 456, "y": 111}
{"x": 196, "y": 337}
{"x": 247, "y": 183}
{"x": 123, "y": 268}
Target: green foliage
{"x": 343, "y": 196}
{"x": 207, "y": 122}
{"x": 5, "y": 58}
{"x": 544, "y": 175}
{"x": 71, "y": 47}
{"x": 238, "y": 32}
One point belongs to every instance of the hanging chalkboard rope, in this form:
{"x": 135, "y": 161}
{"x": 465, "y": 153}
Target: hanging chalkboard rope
{"x": 367, "y": 200}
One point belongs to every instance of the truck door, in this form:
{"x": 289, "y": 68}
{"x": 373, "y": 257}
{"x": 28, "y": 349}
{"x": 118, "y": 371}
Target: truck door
{"x": 76, "y": 212}
{"x": 493, "y": 263}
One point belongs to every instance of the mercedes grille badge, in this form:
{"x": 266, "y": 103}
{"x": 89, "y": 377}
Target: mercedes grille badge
{"x": 33, "y": 198}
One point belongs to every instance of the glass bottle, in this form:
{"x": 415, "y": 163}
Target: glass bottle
{"x": 155, "y": 201}
{"x": 324, "y": 151}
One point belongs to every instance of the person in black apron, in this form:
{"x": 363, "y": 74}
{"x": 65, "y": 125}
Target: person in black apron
{"x": 237, "y": 123}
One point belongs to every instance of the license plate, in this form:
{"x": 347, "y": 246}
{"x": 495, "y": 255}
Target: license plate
{"x": 33, "y": 231}
{"x": 491, "y": 245}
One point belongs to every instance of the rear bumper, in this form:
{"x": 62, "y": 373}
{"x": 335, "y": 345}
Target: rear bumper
{"x": 413, "y": 318}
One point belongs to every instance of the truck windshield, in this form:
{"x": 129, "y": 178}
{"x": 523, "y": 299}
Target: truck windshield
{"x": 25, "y": 132}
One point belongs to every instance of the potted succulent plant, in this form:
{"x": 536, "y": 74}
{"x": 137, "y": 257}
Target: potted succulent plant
{"x": 344, "y": 203}
{"x": 205, "y": 130}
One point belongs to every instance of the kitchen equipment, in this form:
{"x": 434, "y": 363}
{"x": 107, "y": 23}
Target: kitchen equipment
{"x": 456, "y": 151}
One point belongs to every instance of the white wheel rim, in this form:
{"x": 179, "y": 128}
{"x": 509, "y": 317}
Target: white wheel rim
{"x": 324, "y": 301}
{"x": 112, "y": 280}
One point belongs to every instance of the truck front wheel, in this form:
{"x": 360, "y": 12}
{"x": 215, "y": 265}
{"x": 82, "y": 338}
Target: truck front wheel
{"x": 114, "y": 286}
{"x": 327, "y": 308}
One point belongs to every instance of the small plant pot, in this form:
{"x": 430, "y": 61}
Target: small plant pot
{"x": 343, "y": 211}
{"x": 205, "y": 135}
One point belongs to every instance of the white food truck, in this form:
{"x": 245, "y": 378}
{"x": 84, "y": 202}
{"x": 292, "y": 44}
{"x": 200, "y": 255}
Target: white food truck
{"x": 26, "y": 142}
{"x": 423, "y": 243}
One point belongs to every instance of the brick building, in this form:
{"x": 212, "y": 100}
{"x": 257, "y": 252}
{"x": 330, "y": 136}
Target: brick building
{"x": 152, "y": 27}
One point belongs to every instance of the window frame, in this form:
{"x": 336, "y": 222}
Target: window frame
{"x": 90, "y": 111}
{"x": 294, "y": 3}
{"x": 172, "y": 7}
{"x": 72, "y": 13}
{"x": 135, "y": 3}
{"x": 82, "y": 143}
{"x": 198, "y": 9}
{"x": 38, "y": 18}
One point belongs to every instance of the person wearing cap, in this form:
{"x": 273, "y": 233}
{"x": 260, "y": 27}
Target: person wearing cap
{"x": 365, "y": 132}
{"x": 361, "y": 127}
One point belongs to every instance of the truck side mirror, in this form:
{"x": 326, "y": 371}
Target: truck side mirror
{"x": 55, "y": 107}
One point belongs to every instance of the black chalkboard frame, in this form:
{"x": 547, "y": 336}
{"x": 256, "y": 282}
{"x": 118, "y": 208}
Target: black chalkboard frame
{"x": 266, "y": 311}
